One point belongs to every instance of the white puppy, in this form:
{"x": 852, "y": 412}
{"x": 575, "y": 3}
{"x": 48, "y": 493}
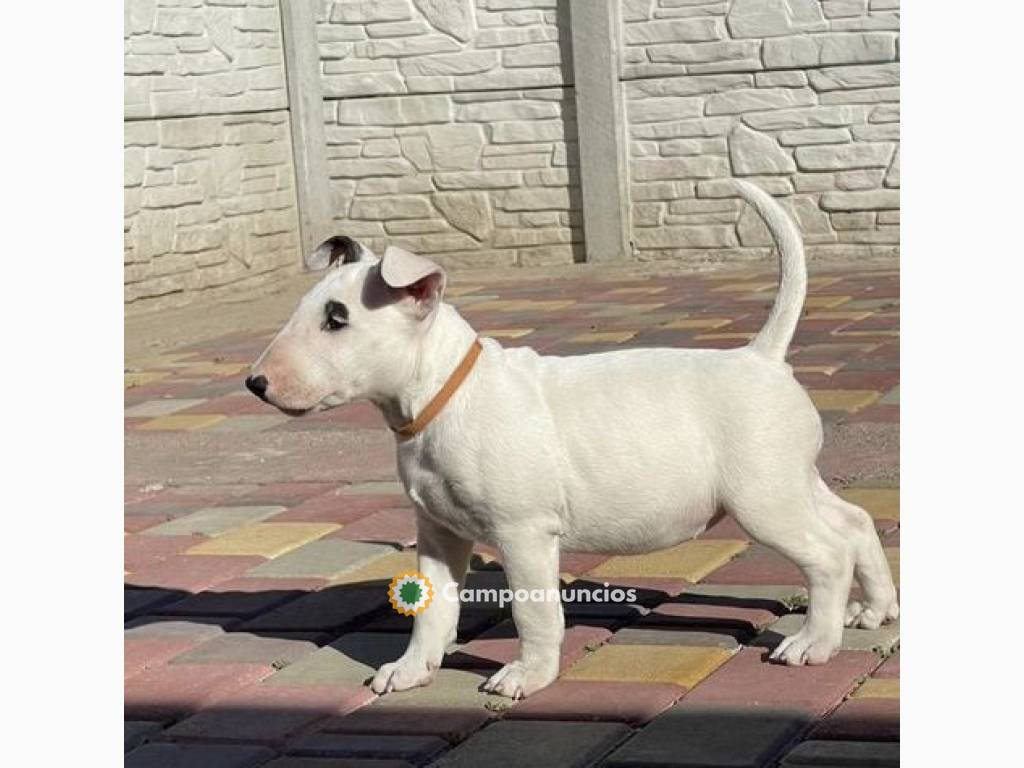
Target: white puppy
{"x": 620, "y": 452}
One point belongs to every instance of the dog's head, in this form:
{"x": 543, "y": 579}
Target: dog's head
{"x": 355, "y": 335}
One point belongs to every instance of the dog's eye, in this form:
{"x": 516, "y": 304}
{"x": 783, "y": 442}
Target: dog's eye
{"x": 335, "y": 316}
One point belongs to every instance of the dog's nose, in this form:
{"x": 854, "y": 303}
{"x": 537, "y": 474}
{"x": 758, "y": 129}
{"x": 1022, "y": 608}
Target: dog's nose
{"x": 258, "y": 386}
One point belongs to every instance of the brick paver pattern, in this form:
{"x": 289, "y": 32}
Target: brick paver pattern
{"x": 254, "y": 614}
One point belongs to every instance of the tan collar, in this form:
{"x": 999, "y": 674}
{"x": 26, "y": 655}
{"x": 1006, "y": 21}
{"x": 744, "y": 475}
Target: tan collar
{"x": 412, "y": 428}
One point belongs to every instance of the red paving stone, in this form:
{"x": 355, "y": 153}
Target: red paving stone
{"x": 204, "y": 635}
{"x": 748, "y": 680}
{"x": 268, "y": 714}
{"x": 173, "y": 689}
{"x": 633, "y": 703}
{"x": 191, "y": 573}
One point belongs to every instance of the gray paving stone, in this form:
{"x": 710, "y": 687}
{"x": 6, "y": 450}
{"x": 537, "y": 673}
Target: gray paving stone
{"x": 350, "y": 660}
{"x": 778, "y": 598}
{"x": 713, "y": 737}
{"x": 206, "y": 755}
{"x": 152, "y": 408}
{"x": 881, "y": 641}
{"x": 324, "y": 558}
{"x": 213, "y": 521}
{"x": 834, "y": 754}
{"x": 137, "y": 731}
{"x": 537, "y": 744}
{"x": 415, "y": 749}
{"x": 244, "y": 648}
{"x": 724, "y": 638}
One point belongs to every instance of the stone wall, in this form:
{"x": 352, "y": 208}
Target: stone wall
{"x": 800, "y": 96}
{"x": 474, "y": 161}
{"x": 208, "y": 175}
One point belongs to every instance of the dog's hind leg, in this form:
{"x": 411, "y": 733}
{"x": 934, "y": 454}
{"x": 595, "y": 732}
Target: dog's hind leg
{"x": 871, "y": 568}
{"x": 783, "y": 515}
{"x": 443, "y": 558}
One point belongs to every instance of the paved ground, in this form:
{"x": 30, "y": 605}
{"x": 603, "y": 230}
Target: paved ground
{"x": 258, "y": 549}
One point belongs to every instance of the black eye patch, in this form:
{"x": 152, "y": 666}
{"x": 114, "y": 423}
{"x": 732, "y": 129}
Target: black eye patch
{"x": 335, "y": 315}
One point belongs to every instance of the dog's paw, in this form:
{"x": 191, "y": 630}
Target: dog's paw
{"x": 805, "y": 647}
{"x": 867, "y": 616}
{"x": 517, "y": 681}
{"x": 402, "y": 675}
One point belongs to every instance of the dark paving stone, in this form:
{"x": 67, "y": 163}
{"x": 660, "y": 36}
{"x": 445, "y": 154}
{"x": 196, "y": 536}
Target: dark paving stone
{"x": 414, "y": 749}
{"x": 138, "y": 601}
{"x": 137, "y": 731}
{"x": 535, "y": 744}
{"x": 195, "y": 755}
{"x": 709, "y": 738}
{"x": 292, "y": 761}
{"x": 230, "y": 603}
{"x": 834, "y": 754}
{"x": 330, "y": 608}
{"x": 862, "y": 719}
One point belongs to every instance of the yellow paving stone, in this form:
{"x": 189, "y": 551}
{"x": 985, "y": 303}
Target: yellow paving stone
{"x": 210, "y": 368}
{"x": 680, "y": 664}
{"x": 822, "y": 282}
{"x": 186, "y": 422}
{"x": 825, "y": 302}
{"x": 382, "y": 569}
{"x": 462, "y": 290}
{"x": 878, "y": 688}
{"x": 139, "y": 378}
{"x": 825, "y": 370}
{"x": 859, "y": 334}
{"x": 638, "y": 290}
{"x": 522, "y": 305}
{"x": 881, "y": 503}
{"x": 892, "y": 554}
{"x": 507, "y": 333}
{"x": 750, "y": 286}
{"x": 849, "y": 400}
{"x": 691, "y": 560}
{"x": 615, "y": 337}
{"x": 837, "y": 315}
{"x": 159, "y": 360}
{"x": 264, "y": 539}
{"x": 726, "y": 336}
{"x": 698, "y": 322}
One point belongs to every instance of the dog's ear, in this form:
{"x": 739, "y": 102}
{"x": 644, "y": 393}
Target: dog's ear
{"x": 339, "y": 249}
{"x": 420, "y": 279}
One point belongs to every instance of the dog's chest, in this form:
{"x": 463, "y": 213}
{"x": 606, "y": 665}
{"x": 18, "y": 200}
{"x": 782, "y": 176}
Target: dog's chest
{"x": 443, "y": 498}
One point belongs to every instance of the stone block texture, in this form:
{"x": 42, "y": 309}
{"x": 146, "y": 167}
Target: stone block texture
{"x": 208, "y": 172}
{"x": 451, "y": 125}
{"x": 800, "y": 96}
{"x": 451, "y": 128}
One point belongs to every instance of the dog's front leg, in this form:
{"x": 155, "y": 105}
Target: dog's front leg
{"x": 443, "y": 558}
{"x": 531, "y": 565}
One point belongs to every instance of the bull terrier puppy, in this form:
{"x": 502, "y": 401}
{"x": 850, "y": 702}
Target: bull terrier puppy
{"x": 620, "y": 452}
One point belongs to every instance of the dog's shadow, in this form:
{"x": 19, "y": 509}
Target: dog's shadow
{"x": 327, "y": 615}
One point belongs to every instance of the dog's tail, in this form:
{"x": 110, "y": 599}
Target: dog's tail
{"x": 773, "y": 339}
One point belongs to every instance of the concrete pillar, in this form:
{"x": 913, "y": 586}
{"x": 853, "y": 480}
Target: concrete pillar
{"x": 306, "y": 113}
{"x": 604, "y": 169}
